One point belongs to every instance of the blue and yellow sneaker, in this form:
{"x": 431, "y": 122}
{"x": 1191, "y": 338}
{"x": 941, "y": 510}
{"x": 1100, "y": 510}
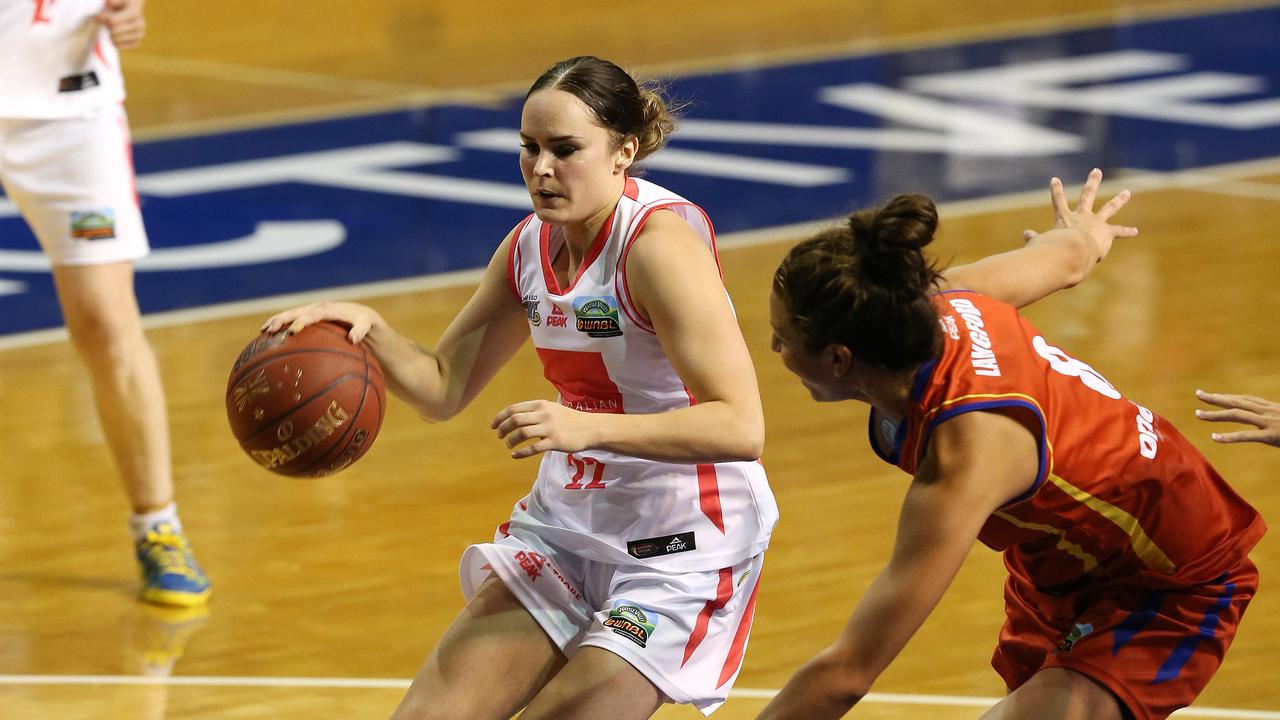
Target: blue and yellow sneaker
{"x": 170, "y": 573}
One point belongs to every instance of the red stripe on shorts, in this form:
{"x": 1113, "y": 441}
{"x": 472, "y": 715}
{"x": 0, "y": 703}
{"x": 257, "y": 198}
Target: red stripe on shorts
{"x": 734, "y": 661}
{"x": 724, "y": 590}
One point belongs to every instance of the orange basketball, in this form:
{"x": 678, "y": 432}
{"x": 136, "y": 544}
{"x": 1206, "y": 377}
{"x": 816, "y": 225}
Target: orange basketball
{"x": 306, "y": 405}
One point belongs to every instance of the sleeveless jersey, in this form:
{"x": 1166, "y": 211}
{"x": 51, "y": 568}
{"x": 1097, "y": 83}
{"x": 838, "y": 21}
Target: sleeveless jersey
{"x": 56, "y": 60}
{"x": 1120, "y": 492}
{"x": 603, "y": 357}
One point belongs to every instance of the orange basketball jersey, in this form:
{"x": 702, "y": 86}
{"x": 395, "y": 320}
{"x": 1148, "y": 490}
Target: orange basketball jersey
{"x": 1120, "y": 492}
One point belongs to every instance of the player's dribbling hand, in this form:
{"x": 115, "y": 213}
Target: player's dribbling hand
{"x": 1094, "y": 224}
{"x": 1247, "y": 409}
{"x": 360, "y": 318}
{"x": 124, "y": 20}
{"x": 550, "y": 425}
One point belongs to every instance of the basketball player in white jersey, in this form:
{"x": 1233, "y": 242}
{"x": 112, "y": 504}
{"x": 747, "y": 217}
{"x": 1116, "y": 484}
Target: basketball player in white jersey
{"x": 627, "y": 577}
{"x": 65, "y": 161}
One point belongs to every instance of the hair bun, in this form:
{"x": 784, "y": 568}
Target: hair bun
{"x": 889, "y": 243}
{"x": 908, "y": 222}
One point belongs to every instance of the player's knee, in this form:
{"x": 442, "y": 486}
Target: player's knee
{"x": 102, "y": 332}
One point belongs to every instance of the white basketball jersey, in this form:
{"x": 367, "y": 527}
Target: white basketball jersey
{"x": 56, "y": 60}
{"x": 603, "y": 356}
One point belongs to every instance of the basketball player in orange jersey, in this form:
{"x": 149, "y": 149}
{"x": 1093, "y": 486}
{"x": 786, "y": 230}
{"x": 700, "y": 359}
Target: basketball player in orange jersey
{"x": 1127, "y": 552}
{"x": 65, "y": 161}
{"x": 627, "y": 576}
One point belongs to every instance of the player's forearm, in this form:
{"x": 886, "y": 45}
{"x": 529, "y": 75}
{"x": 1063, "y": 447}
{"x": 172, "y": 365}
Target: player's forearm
{"x": 1051, "y": 261}
{"x": 1067, "y": 257}
{"x": 714, "y": 431}
{"x": 821, "y": 690}
{"x": 413, "y": 373}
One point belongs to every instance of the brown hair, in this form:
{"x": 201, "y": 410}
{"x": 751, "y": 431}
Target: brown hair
{"x": 622, "y": 105}
{"x": 866, "y": 285}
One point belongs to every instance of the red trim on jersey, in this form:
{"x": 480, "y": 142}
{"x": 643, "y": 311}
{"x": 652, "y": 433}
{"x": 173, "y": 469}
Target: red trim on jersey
{"x": 631, "y": 189}
{"x": 513, "y": 257}
{"x": 102, "y": 56}
{"x": 593, "y": 252}
{"x": 715, "y": 251}
{"x": 709, "y": 496}
{"x": 620, "y": 277}
{"x": 734, "y": 660}
{"x": 504, "y": 528}
{"x": 624, "y": 291}
{"x": 724, "y": 591}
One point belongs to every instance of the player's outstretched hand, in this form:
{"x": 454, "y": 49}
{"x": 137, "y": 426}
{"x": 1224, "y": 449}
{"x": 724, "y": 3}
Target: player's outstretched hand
{"x": 125, "y": 21}
{"x": 360, "y": 318}
{"x": 1096, "y": 225}
{"x": 550, "y": 425}
{"x": 1262, "y": 414}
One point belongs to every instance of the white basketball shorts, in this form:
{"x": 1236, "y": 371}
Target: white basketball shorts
{"x": 685, "y": 632}
{"x": 72, "y": 179}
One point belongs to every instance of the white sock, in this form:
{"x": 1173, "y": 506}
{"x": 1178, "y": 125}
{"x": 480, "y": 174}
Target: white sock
{"x": 140, "y": 524}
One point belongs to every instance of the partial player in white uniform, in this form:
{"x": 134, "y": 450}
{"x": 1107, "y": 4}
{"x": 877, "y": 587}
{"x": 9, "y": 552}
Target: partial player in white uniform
{"x": 628, "y": 576}
{"x": 65, "y": 161}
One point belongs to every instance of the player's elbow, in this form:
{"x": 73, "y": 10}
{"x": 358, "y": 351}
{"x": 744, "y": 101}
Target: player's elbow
{"x": 747, "y": 442}
{"x": 434, "y": 411}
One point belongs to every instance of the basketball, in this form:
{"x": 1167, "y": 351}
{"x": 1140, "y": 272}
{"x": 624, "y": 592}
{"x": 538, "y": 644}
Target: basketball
{"x": 307, "y": 404}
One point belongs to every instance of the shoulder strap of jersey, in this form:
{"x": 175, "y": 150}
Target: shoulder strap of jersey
{"x": 514, "y": 256}
{"x": 652, "y": 198}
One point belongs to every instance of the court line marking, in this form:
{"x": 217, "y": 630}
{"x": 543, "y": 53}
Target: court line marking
{"x": 403, "y": 96}
{"x": 1220, "y": 179}
{"x": 339, "y": 683}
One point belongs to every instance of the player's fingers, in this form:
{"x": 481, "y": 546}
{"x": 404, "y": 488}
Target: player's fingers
{"x": 1261, "y": 436}
{"x": 533, "y": 448}
{"x": 524, "y": 433}
{"x": 302, "y": 321}
{"x": 500, "y": 419}
{"x": 359, "y": 330}
{"x": 1227, "y": 400}
{"x": 513, "y": 416}
{"x": 1090, "y": 190}
{"x": 497, "y": 420}
{"x": 1114, "y": 204}
{"x": 1124, "y": 231}
{"x": 1232, "y": 415}
{"x": 1058, "y": 196}
{"x": 286, "y": 317}
{"x": 127, "y": 38}
{"x": 1257, "y": 404}
{"x": 277, "y": 321}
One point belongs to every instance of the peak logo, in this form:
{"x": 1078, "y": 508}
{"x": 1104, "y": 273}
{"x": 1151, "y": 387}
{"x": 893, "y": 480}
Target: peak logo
{"x": 557, "y": 318}
{"x": 665, "y": 545}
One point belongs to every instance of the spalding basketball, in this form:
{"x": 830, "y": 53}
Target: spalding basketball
{"x": 307, "y": 404}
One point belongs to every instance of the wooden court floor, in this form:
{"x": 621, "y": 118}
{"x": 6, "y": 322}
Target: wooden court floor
{"x": 349, "y": 581}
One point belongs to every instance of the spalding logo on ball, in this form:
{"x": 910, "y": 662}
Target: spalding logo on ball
{"x": 307, "y": 404}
